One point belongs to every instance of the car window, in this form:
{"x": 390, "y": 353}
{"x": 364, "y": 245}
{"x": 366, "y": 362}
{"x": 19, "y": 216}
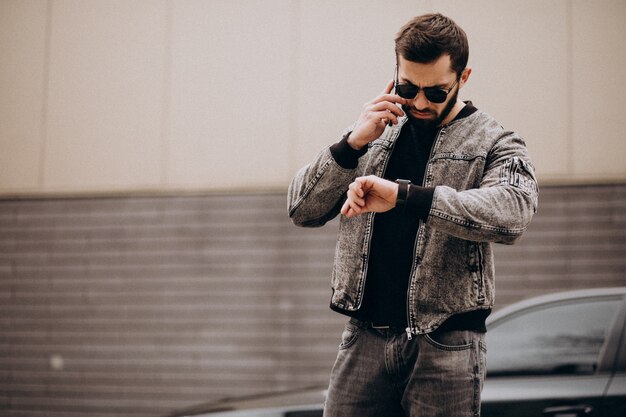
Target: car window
{"x": 564, "y": 338}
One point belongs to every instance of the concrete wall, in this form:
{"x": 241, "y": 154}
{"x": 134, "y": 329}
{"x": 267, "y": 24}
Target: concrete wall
{"x": 124, "y": 96}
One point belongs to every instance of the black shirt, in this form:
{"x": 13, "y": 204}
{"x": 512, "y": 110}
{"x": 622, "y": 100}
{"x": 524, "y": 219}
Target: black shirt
{"x": 394, "y": 233}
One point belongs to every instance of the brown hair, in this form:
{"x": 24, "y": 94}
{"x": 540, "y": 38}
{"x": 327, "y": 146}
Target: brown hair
{"x": 427, "y": 37}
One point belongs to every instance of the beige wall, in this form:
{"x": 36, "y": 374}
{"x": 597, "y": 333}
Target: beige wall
{"x": 147, "y": 95}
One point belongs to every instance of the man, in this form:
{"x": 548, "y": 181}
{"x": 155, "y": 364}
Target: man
{"x": 425, "y": 183}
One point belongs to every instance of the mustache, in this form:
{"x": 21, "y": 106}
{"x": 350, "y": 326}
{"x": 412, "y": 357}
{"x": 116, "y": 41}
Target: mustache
{"x": 408, "y": 109}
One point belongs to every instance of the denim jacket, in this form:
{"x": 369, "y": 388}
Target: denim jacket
{"x": 485, "y": 192}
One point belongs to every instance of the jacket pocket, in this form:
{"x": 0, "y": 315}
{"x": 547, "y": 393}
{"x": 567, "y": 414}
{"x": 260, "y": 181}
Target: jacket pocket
{"x": 475, "y": 264}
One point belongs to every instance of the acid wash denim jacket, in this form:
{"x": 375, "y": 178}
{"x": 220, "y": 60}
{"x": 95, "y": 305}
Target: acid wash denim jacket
{"x": 485, "y": 192}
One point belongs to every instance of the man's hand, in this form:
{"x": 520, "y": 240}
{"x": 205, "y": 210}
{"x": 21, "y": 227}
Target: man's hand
{"x": 375, "y": 116}
{"x": 371, "y": 193}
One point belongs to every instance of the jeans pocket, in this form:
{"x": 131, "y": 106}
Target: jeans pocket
{"x": 452, "y": 340}
{"x": 350, "y": 334}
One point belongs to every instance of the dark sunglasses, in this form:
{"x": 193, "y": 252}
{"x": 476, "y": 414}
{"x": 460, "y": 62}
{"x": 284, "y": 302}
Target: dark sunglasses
{"x": 433, "y": 94}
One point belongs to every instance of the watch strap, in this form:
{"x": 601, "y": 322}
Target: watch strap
{"x": 403, "y": 191}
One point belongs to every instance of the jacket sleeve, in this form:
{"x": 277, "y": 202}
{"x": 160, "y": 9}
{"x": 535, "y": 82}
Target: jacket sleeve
{"x": 501, "y": 208}
{"x": 318, "y": 191}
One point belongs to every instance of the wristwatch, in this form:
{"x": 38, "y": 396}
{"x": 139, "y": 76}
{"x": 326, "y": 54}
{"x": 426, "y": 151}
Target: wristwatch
{"x": 403, "y": 192}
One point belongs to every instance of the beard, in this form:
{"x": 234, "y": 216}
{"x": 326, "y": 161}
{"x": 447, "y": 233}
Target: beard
{"x": 439, "y": 118}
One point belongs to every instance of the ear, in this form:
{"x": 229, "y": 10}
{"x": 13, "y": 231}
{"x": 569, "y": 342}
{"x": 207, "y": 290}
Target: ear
{"x": 464, "y": 76}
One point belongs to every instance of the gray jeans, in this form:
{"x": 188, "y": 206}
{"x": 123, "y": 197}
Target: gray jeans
{"x": 382, "y": 373}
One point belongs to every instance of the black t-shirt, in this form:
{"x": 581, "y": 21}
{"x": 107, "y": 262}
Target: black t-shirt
{"x": 394, "y": 233}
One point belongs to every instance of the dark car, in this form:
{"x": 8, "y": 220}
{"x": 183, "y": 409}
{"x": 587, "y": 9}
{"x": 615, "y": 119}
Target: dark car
{"x": 561, "y": 355}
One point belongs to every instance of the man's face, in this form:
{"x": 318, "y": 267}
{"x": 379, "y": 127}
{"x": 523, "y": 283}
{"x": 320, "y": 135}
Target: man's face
{"x": 434, "y": 74}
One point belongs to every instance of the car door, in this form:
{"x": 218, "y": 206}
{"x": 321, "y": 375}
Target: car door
{"x": 549, "y": 360}
{"x": 615, "y": 397}
{"x": 615, "y": 401}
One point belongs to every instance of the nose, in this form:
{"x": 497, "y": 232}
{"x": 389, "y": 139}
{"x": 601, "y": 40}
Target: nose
{"x": 420, "y": 102}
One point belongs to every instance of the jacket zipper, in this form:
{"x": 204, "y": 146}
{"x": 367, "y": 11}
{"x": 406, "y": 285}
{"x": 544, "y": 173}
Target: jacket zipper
{"x": 481, "y": 276}
{"x": 416, "y": 260}
{"x": 371, "y": 218}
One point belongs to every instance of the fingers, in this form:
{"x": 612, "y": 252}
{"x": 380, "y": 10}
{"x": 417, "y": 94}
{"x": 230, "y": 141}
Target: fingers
{"x": 370, "y": 194}
{"x": 375, "y": 115}
{"x": 387, "y": 96}
{"x": 383, "y": 111}
{"x": 356, "y": 194}
{"x": 355, "y": 202}
{"x": 392, "y": 98}
{"x": 382, "y": 117}
{"x": 387, "y": 107}
{"x": 349, "y": 210}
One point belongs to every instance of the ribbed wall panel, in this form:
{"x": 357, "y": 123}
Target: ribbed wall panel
{"x": 137, "y": 306}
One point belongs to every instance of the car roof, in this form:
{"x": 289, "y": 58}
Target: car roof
{"x": 556, "y": 297}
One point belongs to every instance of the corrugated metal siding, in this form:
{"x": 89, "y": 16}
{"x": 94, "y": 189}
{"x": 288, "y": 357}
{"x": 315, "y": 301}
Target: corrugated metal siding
{"x": 158, "y": 303}
{"x": 576, "y": 240}
{"x": 137, "y": 306}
